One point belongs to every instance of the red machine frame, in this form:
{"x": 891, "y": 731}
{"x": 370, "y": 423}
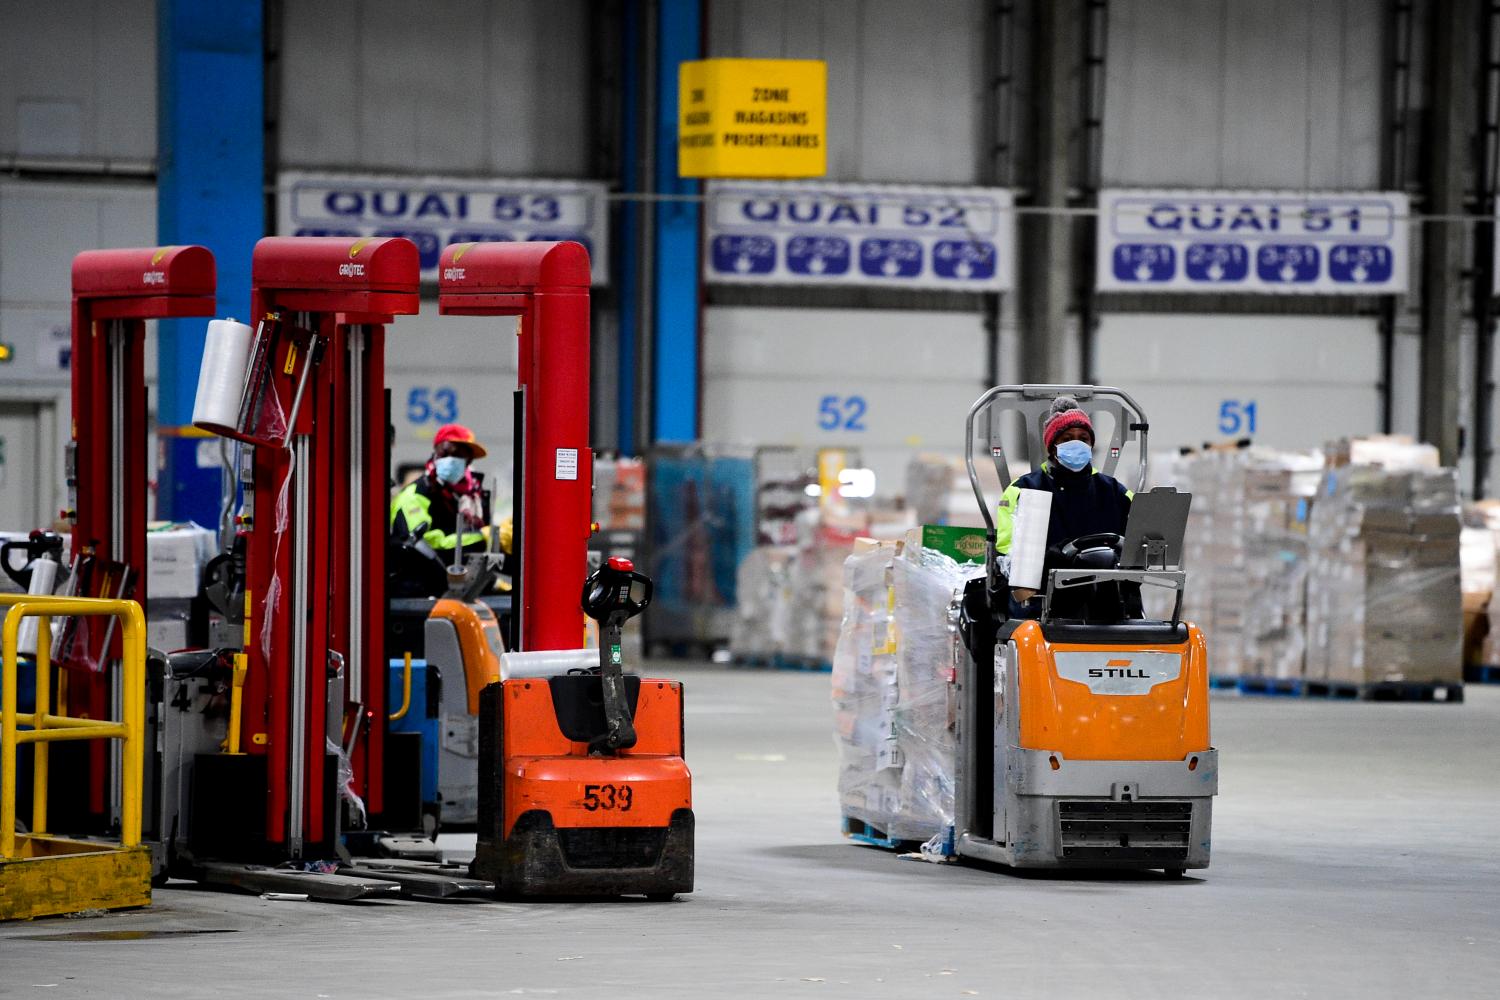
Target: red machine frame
{"x": 547, "y": 286}
{"x": 315, "y": 599}
{"x": 114, "y": 293}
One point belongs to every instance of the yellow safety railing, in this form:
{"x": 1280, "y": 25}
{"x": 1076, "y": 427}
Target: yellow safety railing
{"x": 46, "y": 727}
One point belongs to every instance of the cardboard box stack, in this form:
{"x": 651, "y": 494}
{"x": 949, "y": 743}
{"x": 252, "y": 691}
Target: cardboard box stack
{"x": 1246, "y": 556}
{"x": 1384, "y": 597}
{"x": 893, "y": 681}
{"x": 175, "y": 557}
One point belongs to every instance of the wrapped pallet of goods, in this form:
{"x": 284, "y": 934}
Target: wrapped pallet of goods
{"x": 1384, "y": 595}
{"x": 864, "y": 692}
{"x": 1246, "y": 548}
{"x": 893, "y": 682}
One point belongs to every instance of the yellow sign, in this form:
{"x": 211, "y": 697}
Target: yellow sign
{"x": 752, "y": 118}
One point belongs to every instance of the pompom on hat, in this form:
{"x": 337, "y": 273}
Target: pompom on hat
{"x": 1065, "y": 413}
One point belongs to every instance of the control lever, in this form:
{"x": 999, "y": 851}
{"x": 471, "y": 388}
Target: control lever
{"x": 612, "y": 595}
{"x": 35, "y": 546}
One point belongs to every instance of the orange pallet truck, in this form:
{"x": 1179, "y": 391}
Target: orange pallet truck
{"x": 1083, "y": 733}
{"x": 583, "y": 790}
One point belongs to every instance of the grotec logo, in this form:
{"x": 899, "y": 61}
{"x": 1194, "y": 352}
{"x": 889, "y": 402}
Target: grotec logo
{"x": 156, "y": 277}
{"x": 457, "y": 273}
{"x": 354, "y": 270}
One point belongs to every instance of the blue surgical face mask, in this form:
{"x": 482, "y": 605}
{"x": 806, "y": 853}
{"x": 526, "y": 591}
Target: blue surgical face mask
{"x": 450, "y": 468}
{"x": 1075, "y": 455}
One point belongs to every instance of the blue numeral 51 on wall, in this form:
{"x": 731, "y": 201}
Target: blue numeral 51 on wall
{"x": 1237, "y": 416}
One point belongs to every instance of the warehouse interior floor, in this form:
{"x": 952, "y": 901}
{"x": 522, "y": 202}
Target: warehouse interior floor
{"x": 1354, "y": 856}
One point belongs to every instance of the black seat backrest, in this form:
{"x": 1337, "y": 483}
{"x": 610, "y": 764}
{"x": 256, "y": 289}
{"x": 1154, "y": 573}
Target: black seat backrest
{"x": 1136, "y": 633}
{"x": 578, "y": 702}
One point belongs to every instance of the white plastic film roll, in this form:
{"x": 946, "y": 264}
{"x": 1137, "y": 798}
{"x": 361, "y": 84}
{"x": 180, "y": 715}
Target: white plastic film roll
{"x": 546, "y": 662}
{"x": 1028, "y": 539}
{"x": 221, "y": 378}
{"x": 43, "y": 579}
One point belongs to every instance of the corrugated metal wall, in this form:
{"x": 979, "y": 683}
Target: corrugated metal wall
{"x": 487, "y": 87}
{"x": 1229, "y": 94}
{"x": 904, "y": 83}
{"x": 78, "y": 80}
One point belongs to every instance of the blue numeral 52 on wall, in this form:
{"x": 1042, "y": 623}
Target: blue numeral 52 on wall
{"x": 842, "y": 413}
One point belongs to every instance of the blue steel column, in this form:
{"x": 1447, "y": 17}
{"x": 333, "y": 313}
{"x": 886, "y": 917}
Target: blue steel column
{"x": 210, "y": 175}
{"x": 675, "y": 361}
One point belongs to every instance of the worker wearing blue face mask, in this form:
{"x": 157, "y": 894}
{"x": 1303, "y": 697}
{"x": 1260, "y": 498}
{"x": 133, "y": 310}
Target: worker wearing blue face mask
{"x": 1085, "y": 501}
{"x": 441, "y": 510}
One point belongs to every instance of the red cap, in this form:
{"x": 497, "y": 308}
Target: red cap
{"x": 458, "y": 434}
{"x": 622, "y": 564}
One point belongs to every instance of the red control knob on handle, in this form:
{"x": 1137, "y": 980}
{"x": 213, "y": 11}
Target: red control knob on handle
{"x": 622, "y": 564}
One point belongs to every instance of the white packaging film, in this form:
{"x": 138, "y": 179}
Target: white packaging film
{"x": 221, "y": 377}
{"x": 546, "y": 662}
{"x": 1028, "y": 539}
{"x": 43, "y": 579}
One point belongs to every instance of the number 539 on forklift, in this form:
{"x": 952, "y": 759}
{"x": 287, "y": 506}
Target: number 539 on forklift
{"x": 583, "y": 790}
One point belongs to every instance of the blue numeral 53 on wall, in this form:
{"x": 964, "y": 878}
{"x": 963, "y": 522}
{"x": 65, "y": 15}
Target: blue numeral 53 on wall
{"x": 425, "y": 404}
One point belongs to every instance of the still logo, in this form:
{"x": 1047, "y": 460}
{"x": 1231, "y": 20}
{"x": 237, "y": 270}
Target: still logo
{"x": 1116, "y": 668}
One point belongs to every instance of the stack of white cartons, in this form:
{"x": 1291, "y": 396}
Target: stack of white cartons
{"x": 864, "y": 689}
{"x": 175, "y": 556}
{"x": 1278, "y": 489}
{"x": 1246, "y": 556}
{"x": 1384, "y": 592}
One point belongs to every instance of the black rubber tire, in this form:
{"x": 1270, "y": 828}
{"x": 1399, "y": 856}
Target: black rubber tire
{"x": 660, "y": 897}
{"x": 1173, "y": 872}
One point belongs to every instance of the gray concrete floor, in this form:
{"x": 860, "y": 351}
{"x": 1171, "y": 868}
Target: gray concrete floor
{"x": 1356, "y": 854}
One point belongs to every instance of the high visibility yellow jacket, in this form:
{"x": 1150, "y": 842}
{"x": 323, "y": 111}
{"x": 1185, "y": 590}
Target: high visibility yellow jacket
{"x": 426, "y": 512}
{"x": 1083, "y": 503}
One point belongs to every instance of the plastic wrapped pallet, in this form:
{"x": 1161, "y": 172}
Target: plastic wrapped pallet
{"x": 1384, "y": 593}
{"x": 925, "y": 584}
{"x": 864, "y": 689}
{"x": 761, "y": 628}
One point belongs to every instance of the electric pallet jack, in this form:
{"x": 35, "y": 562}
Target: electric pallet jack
{"x": 1083, "y": 734}
{"x": 583, "y": 789}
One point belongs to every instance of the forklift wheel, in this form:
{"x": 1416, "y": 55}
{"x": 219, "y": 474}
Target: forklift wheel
{"x": 1172, "y": 872}
{"x": 660, "y": 897}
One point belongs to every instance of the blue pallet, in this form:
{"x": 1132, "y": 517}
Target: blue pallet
{"x": 858, "y": 829}
{"x": 1272, "y": 687}
{"x": 1482, "y": 675}
{"x": 779, "y": 662}
{"x": 1412, "y": 691}
{"x": 1223, "y": 682}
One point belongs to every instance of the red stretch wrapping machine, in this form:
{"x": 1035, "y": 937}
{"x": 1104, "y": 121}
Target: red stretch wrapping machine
{"x": 547, "y": 286}
{"x": 114, "y": 293}
{"x": 345, "y": 291}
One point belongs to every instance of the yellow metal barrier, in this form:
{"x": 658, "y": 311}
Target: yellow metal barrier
{"x": 119, "y": 877}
